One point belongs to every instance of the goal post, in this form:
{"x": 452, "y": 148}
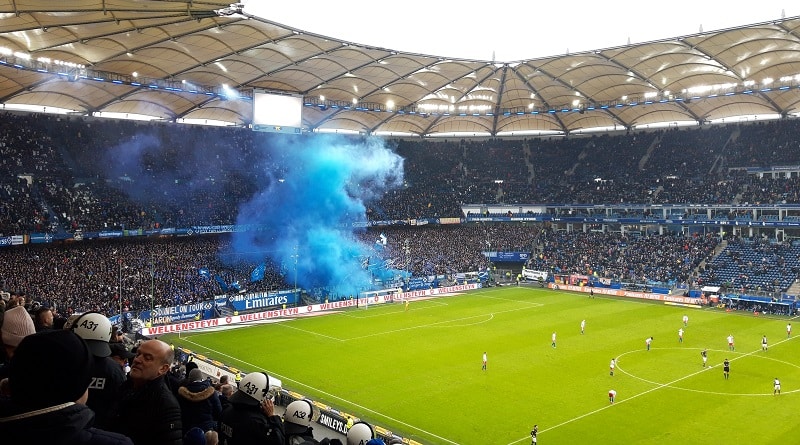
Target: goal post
{"x": 378, "y": 296}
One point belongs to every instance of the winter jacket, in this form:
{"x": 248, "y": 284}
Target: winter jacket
{"x": 247, "y": 425}
{"x": 200, "y": 406}
{"x": 107, "y": 379}
{"x": 149, "y": 415}
{"x": 65, "y": 424}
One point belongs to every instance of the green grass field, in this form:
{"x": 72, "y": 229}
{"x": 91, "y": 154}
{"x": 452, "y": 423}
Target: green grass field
{"x": 418, "y": 372}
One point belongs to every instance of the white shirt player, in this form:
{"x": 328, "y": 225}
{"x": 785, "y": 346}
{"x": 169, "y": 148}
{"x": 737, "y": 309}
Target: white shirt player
{"x": 685, "y": 320}
{"x": 583, "y": 325}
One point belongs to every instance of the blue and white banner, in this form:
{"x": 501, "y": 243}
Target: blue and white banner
{"x": 259, "y": 300}
{"x": 511, "y": 257}
{"x": 183, "y": 312}
{"x": 419, "y": 283}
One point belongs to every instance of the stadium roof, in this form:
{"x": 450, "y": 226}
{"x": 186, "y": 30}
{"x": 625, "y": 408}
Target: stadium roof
{"x": 170, "y": 60}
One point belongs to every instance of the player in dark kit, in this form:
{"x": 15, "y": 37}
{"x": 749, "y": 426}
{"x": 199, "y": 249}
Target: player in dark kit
{"x": 534, "y": 433}
{"x": 726, "y": 368}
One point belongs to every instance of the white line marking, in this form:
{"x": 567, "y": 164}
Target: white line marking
{"x": 331, "y": 396}
{"x": 659, "y": 386}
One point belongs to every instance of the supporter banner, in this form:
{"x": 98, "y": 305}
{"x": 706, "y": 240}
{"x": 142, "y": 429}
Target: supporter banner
{"x": 167, "y": 315}
{"x": 299, "y": 310}
{"x": 111, "y": 234}
{"x": 416, "y": 283}
{"x": 629, "y": 294}
{"x": 535, "y": 275}
{"x": 39, "y": 238}
{"x": 390, "y": 222}
{"x": 508, "y": 256}
{"x": 212, "y": 229}
{"x": 5, "y": 240}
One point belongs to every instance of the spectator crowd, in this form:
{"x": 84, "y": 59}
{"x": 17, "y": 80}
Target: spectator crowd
{"x": 81, "y": 384}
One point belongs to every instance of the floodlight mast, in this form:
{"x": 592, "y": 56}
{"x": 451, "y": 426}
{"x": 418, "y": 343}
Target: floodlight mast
{"x": 295, "y": 275}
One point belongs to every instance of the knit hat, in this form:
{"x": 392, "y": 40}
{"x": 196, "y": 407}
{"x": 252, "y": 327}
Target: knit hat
{"x": 17, "y": 324}
{"x": 50, "y": 368}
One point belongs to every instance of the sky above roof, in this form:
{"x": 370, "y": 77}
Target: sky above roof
{"x": 509, "y": 31}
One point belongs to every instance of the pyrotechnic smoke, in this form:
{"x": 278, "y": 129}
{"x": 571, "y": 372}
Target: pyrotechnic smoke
{"x": 309, "y": 206}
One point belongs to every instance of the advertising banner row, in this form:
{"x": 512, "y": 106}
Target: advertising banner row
{"x": 221, "y": 322}
{"x": 210, "y": 309}
{"x": 629, "y": 294}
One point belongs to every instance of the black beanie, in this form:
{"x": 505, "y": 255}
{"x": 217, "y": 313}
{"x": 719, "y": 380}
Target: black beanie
{"x": 49, "y": 368}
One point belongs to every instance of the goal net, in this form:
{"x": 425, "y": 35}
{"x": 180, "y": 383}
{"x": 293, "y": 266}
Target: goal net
{"x": 369, "y": 297}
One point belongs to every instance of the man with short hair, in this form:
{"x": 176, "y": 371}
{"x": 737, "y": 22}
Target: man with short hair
{"x": 43, "y": 319}
{"x": 225, "y": 392}
{"x": 147, "y": 411}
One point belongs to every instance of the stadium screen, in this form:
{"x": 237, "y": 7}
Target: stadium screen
{"x": 277, "y": 113}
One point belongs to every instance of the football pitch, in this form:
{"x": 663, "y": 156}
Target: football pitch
{"x": 417, "y": 372}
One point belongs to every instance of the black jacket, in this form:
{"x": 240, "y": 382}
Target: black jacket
{"x": 247, "y": 425}
{"x": 149, "y": 415}
{"x": 67, "y": 424}
{"x": 200, "y": 406}
{"x": 107, "y": 379}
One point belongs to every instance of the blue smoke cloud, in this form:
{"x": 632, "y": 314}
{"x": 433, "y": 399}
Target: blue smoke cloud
{"x": 309, "y": 204}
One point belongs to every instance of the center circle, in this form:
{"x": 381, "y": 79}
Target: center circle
{"x": 677, "y": 367}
